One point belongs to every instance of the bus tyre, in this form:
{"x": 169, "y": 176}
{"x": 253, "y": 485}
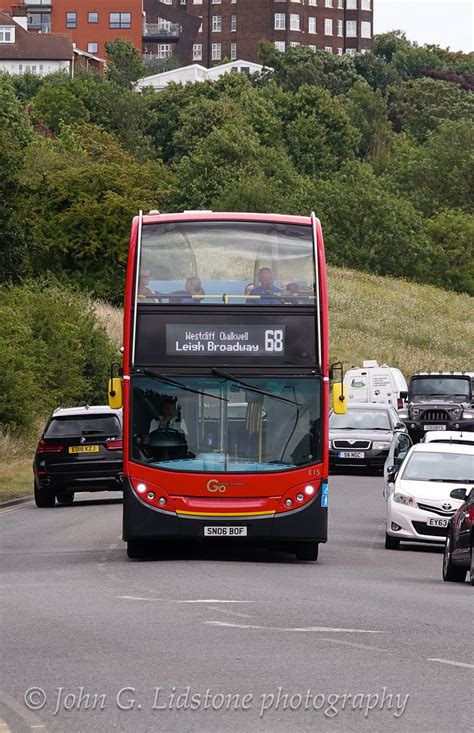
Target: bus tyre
{"x": 65, "y": 497}
{"x": 307, "y": 551}
{"x": 451, "y": 573}
{"x": 391, "y": 543}
{"x": 137, "y": 550}
{"x": 43, "y": 500}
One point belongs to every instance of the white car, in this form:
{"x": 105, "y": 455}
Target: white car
{"x": 426, "y": 492}
{"x": 449, "y": 436}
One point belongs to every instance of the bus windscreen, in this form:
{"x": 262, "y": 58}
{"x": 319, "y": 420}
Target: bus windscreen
{"x": 244, "y": 263}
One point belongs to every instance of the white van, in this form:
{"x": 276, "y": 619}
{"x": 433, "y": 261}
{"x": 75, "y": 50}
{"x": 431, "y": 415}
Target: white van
{"x": 374, "y": 383}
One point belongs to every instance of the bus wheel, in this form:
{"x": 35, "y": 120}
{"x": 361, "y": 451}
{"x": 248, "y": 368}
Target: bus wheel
{"x": 65, "y": 497}
{"x": 137, "y": 550}
{"x": 43, "y": 500}
{"x": 307, "y": 551}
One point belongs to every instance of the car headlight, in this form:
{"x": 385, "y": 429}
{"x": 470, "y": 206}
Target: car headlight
{"x": 405, "y": 499}
{"x": 456, "y": 411}
{"x": 415, "y": 411}
{"x": 380, "y": 445}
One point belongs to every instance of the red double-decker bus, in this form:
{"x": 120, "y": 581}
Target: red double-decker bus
{"x": 225, "y": 381}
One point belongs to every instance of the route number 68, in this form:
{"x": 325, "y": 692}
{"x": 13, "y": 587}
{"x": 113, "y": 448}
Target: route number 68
{"x": 274, "y": 340}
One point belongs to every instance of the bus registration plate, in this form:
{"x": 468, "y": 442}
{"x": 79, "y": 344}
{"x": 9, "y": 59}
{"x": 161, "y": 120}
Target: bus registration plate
{"x": 225, "y": 531}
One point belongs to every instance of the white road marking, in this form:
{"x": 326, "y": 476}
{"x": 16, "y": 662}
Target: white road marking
{"x": 13, "y": 509}
{"x": 324, "y": 629}
{"x": 357, "y": 646}
{"x": 177, "y": 600}
{"x": 453, "y": 664}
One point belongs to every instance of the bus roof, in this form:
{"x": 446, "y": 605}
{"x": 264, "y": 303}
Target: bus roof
{"x": 155, "y": 218}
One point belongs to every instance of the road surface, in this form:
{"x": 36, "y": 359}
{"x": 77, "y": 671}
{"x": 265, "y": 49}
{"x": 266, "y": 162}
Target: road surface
{"x": 365, "y": 639}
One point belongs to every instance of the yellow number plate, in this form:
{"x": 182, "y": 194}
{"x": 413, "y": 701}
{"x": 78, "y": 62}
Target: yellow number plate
{"x": 83, "y": 449}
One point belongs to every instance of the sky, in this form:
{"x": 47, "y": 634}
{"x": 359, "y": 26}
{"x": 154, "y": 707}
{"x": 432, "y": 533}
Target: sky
{"x": 444, "y": 22}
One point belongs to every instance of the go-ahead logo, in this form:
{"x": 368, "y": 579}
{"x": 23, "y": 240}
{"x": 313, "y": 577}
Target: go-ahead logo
{"x": 214, "y": 486}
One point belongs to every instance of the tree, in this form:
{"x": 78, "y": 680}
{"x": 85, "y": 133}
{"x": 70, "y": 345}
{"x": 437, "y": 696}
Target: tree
{"x": 369, "y": 228}
{"x": 318, "y": 133}
{"x": 418, "y": 106}
{"x": 451, "y": 236}
{"x": 125, "y": 64}
{"x": 368, "y": 112}
{"x": 83, "y": 190}
{"x": 438, "y": 174}
{"x": 57, "y": 105}
{"x": 15, "y": 133}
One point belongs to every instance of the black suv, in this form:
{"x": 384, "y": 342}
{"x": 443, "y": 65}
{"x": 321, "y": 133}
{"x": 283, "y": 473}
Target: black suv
{"x": 438, "y": 401}
{"x": 80, "y": 450}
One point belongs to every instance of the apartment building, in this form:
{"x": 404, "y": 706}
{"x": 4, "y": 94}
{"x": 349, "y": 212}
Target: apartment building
{"x": 232, "y": 29}
{"x": 207, "y": 31}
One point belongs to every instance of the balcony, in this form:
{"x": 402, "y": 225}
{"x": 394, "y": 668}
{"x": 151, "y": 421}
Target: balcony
{"x": 161, "y": 32}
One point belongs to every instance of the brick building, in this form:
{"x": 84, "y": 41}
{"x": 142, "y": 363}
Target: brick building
{"x": 206, "y": 31}
{"x": 233, "y": 28}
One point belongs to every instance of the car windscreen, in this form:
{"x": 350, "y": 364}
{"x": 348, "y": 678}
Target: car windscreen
{"x": 73, "y": 425}
{"x": 443, "y": 467}
{"x": 360, "y": 420}
{"x": 440, "y": 387}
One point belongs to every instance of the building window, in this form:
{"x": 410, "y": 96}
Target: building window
{"x": 365, "y": 5}
{"x": 120, "y": 20}
{"x": 280, "y": 46}
{"x": 311, "y": 25}
{"x": 197, "y": 52}
{"x": 328, "y": 3}
{"x": 71, "y": 20}
{"x": 92, "y": 47}
{"x": 351, "y": 4}
{"x": 280, "y": 21}
{"x": 328, "y": 27}
{"x": 313, "y": 2}
{"x": 233, "y": 23}
{"x": 350, "y": 51}
{"x": 328, "y": 49}
{"x": 295, "y": 22}
{"x": 7, "y": 35}
{"x": 216, "y": 23}
{"x": 216, "y": 52}
{"x": 340, "y": 27}
{"x": 92, "y": 17}
{"x": 233, "y": 51}
{"x": 351, "y": 29}
{"x": 340, "y": 51}
{"x": 365, "y": 29}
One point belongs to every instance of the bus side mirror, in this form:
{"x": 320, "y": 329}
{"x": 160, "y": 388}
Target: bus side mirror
{"x": 339, "y": 399}
{"x": 115, "y": 393}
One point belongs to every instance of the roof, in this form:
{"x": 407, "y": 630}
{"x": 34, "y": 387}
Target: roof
{"x": 227, "y": 216}
{"x": 465, "y": 448}
{"x": 34, "y": 46}
{"x": 442, "y": 374}
{"x": 196, "y": 72}
{"x": 86, "y": 410}
{"x": 368, "y": 405}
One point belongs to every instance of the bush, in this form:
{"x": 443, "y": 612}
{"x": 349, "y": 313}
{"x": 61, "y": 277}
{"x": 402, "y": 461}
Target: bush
{"x": 52, "y": 352}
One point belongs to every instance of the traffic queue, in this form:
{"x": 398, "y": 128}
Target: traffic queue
{"x": 419, "y": 437}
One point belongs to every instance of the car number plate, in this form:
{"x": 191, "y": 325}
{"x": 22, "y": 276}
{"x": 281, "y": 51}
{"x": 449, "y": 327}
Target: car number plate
{"x": 83, "y": 449}
{"x": 225, "y": 531}
{"x": 435, "y": 522}
{"x": 350, "y": 454}
{"x": 435, "y": 427}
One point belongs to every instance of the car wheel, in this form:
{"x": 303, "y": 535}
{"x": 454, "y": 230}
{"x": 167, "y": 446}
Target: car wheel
{"x": 307, "y": 550}
{"x": 43, "y": 499}
{"x": 65, "y": 497}
{"x": 391, "y": 543}
{"x": 137, "y": 550}
{"x": 451, "y": 573}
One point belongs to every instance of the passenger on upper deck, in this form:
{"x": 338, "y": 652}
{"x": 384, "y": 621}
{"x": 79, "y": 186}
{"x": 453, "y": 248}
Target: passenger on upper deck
{"x": 144, "y": 290}
{"x": 265, "y": 289}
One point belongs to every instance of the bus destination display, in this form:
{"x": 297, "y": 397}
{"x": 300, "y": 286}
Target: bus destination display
{"x": 225, "y": 339}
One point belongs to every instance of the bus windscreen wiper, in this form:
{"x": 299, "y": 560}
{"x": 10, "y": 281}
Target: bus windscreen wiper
{"x": 166, "y": 380}
{"x": 231, "y": 378}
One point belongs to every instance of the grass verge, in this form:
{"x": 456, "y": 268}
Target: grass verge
{"x": 16, "y": 479}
